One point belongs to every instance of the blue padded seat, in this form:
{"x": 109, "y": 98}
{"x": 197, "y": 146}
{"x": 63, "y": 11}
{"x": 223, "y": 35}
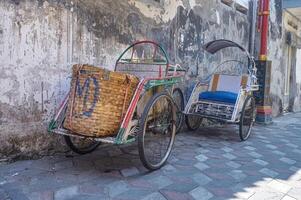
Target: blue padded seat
{"x": 219, "y": 96}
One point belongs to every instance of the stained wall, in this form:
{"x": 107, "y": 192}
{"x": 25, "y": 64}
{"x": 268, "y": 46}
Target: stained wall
{"x": 40, "y": 41}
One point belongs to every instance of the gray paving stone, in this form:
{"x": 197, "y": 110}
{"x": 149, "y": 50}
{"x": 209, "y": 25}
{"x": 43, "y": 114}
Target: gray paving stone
{"x": 200, "y": 193}
{"x": 160, "y": 181}
{"x": 63, "y": 165}
{"x": 202, "y": 151}
{"x": 294, "y": 169}
{"x": 173, "y": 195}
{"x": 233, "y": 164}
{"x": 278, "y": 153}
{"x": 269, "y": 172}
{"x": 169, "y": 168}
{"x": 265, "y": 141}
{"x": 270, "y": 146}
{"x": 297, "y": 151}
{"x": 134, "y": 194}
{"x": 89, "y": 197}
{"x": 43, "y": 195}
{"x": 66, "y": 193}
{"x": 201, "y": 179}
{"x": 255, "y": 155}
{"x": 250, "y": 148}
{"x": 201, "y": 158}
{"x": 229, "y": 156}
{"x": 130, "y": 172}
{"x": 238, "y": 175}
{"x": 116, "y": 188}
{"x": 227, "y": 149}
{"x": 292, "y": 145}
{"x": 3, "y": 195}
{"x": 288, "y": 161}
{"x": 261, "y": 137}
{"x": 284, "y": 140}
{"x": 182, "y": 188}
{"x": 201, "y": 166}
{"x": 154, "y": 196}
{"x": 260, "y": 162}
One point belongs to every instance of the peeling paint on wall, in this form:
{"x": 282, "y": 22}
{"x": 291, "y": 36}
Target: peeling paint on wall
{"x": 40, "y": 40}
{"x": 277, "y": 49}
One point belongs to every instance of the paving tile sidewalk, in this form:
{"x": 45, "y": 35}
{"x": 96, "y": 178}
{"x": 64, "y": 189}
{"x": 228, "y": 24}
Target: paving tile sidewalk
{"x": 210, "y": 163}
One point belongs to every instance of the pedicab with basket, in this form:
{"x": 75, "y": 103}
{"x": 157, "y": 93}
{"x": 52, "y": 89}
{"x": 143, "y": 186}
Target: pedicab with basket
{"x": 228, "y": 97}
{"x": 149, "y": 112}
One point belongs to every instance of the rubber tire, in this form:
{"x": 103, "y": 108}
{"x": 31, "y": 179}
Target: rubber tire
{"x": 78, "y": 150}
{"x": 190, "y": 126}
{"x": 242, "y": 138}
{"x": 179, "y": 126}
{"x": 142, "y": 122}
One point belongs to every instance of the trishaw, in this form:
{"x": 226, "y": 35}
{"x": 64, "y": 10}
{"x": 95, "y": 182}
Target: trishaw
{"x": 153, "y": 115}
{"x": 227, "y": 95}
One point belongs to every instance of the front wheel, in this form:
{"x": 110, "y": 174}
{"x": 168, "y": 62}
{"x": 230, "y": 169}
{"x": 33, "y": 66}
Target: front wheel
{"x": 81, "y": 145}
{"x": 157, "y": 131}
{"x": 247, "y": 118}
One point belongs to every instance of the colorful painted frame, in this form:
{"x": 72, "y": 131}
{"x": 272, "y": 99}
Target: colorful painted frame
{"x": 129, "y": 126}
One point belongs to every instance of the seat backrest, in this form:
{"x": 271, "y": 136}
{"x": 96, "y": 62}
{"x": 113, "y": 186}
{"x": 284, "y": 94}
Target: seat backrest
{"x": 228, "y": 83}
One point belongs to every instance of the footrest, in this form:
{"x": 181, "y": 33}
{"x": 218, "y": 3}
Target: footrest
{"x": 214, "y": 110}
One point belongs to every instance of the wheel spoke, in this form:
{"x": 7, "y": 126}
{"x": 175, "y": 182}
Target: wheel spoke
{"x": 247, "y": 118}
{"x": 158, "y": 132}
{"x": 179, "y": 101}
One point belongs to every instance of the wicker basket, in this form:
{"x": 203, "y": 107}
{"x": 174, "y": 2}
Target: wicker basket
{"x": 98, "y": 100}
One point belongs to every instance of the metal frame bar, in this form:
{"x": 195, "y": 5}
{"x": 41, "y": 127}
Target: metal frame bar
{"x": 145, "y": 42}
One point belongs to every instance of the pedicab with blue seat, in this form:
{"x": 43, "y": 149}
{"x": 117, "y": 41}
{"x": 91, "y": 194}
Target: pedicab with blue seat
{"x": 228, "y": 95}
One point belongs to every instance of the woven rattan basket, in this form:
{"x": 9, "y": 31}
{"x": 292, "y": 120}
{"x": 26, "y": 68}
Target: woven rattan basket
{"x": 98, "y": 100}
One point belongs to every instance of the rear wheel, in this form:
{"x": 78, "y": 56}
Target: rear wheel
{"x": 178, "y": 98}
{"x": 81, "y": 145}
{"x": 157, "y": 131}
{"x": 193, "y": 122}
{"x": 247, "y": 118}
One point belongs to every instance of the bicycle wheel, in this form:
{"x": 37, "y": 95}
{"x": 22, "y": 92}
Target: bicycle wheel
{"x": 193, "y": 122}
{"x": 247, "y": 118}
{"x": 178, "y": 98}
{"x": 157, "y": 131}
{"x": 81, "y": 145}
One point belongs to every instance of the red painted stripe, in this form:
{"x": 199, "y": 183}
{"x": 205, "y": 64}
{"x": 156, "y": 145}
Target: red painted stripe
{"x": 264, "y": 111}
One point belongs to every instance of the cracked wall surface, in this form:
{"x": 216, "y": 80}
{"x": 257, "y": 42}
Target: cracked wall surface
{"x": 40, "y": 40}
{"x": 278, "y": 54}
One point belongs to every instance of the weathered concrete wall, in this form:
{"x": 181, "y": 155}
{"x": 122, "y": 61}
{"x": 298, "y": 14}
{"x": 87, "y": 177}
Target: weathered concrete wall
{"x": 278, "y": 54}
{"x": 40, "y": 40}
{"x": 294, "y": 96}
